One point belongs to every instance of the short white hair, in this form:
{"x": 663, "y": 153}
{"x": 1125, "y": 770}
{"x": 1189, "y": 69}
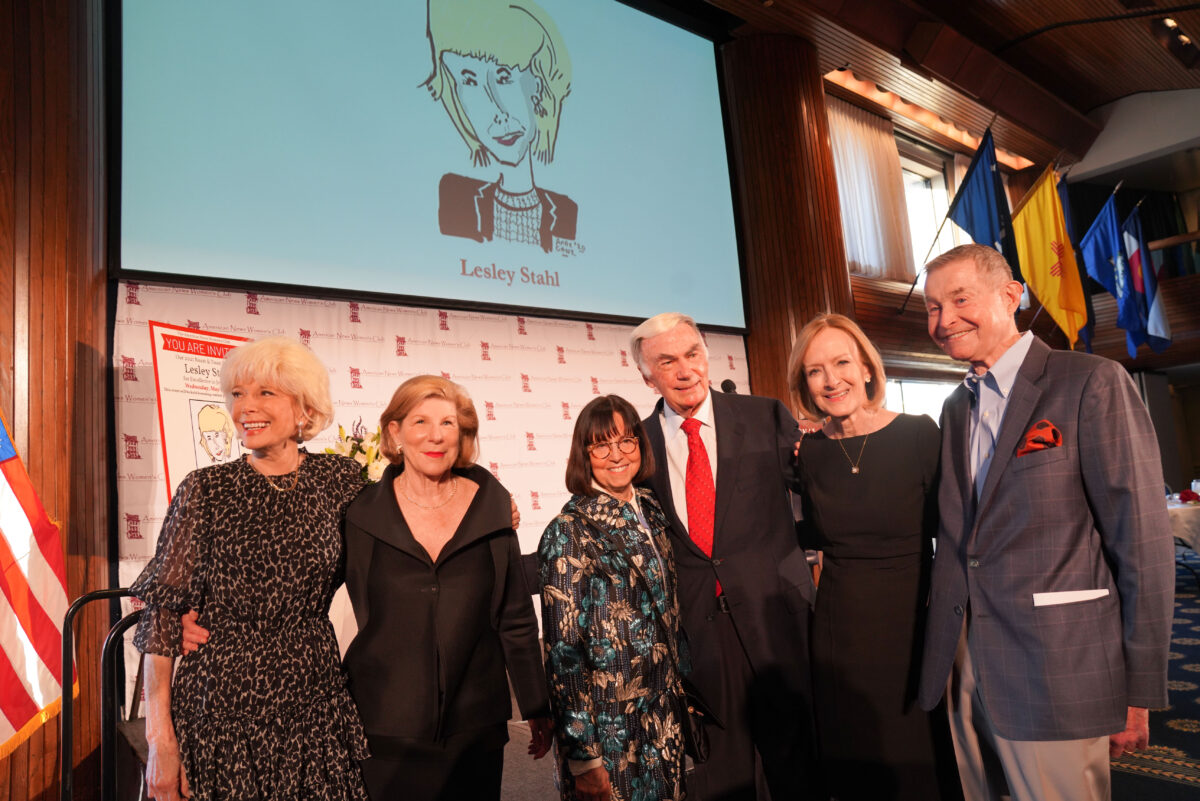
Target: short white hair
{"x": 659, "y": 324}
{"x": 289, "y": 367}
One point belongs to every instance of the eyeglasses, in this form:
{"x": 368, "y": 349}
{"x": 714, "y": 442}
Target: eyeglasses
{"x": 602, "y": 450}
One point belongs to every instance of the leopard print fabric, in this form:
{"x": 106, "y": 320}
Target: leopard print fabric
{"x": 261, "y": 711}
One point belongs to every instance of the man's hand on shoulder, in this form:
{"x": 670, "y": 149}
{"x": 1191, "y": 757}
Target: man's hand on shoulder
{"x": 1136, "y": 735}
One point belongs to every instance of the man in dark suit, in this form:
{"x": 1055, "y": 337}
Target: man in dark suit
{"x": 1051, "y": 605}
{"x": 745, "y": 590}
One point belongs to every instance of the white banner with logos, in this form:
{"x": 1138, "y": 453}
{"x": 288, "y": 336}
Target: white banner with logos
{"x": 528, "y": 377}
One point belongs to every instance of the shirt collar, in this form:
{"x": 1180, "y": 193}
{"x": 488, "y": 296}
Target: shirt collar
{"x": 704, "y": 413}
{"x": 1003, "y": 374}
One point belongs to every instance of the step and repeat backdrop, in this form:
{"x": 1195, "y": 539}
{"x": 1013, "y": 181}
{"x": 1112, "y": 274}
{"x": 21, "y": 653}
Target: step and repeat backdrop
{"x": 528, "y": 378}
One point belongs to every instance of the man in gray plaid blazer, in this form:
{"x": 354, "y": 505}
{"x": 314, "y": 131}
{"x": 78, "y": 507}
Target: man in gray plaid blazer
{"x": 1052, "y": 592}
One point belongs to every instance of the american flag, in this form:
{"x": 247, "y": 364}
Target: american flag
{"x": 32, "y": 604}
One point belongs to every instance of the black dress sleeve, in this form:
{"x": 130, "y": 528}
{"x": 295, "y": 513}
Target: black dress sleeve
{"x": 173, "y": 582}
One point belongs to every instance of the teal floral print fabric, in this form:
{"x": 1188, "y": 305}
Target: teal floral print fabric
{"x": 612, "y": 676}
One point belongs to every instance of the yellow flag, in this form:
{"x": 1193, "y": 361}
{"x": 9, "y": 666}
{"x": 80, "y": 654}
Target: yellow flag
{"x": 1047, "y": 258}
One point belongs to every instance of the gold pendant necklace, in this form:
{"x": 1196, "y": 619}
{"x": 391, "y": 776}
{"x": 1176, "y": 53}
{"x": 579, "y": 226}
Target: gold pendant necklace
{"x": 853, "y": 463}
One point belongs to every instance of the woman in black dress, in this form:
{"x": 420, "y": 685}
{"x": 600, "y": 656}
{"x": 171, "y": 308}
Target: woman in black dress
{"x": 868, "y": 483}
{"x": 443, "y": 609}
{"x": 255, "y": 545}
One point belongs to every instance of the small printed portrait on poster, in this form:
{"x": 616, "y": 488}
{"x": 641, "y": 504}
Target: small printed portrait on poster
{"x": 214, "y": 434}
{"x": 502, "y": 73}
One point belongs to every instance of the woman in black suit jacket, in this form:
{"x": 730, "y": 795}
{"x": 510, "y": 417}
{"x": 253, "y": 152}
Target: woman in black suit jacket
{"x": 433, "y": 573}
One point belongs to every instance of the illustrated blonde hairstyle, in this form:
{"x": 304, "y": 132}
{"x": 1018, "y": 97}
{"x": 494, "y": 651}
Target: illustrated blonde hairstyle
{"x": 659, "y": 324}
{"x": 410, "y": 394}
{"x": 213, "y": 418}
{"x": 512, "y": 33}
{"x": 289, "y": 367}
{"x": 798, "y": 383}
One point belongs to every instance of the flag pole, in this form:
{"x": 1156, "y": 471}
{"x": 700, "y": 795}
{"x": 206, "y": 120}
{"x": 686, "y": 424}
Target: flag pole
{"x": 913, "y": 287}
{"x": 1117, "y": 188}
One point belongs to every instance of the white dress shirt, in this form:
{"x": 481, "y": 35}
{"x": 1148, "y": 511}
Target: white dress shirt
{"x": 677, "y": 450}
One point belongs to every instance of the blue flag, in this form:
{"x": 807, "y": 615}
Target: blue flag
{"x": 980, "y": 207}
{"x": 1104, "y": 256}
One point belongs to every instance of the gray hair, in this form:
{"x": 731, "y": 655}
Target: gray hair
{"x": 989, "y": 262}
{"x": 659, "y": 324}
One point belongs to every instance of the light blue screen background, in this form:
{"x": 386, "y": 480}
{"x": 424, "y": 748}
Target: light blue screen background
{"x": 292, "y": 142}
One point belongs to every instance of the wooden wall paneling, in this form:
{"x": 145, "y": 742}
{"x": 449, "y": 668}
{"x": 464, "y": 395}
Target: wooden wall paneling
{"x": 793, "y": 253}
{"x": 902, "y": 339}
{"x": 1181, "y": 302}
{"x": 8, "y": 188}
{"x": 53, "y": 336}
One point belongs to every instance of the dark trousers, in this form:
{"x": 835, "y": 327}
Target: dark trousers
{"x": 464, "y": 768}
{"x": 765, "y": 750}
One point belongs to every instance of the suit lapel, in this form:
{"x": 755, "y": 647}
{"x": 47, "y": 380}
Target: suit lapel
{"x": 1021, "y": 402}
{"x": 730, "y": 431}
{"x": 381, "y": 518}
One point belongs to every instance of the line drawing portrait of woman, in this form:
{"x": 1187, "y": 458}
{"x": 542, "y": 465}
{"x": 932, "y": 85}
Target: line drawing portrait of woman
{"x": 502, "y": 73}
{"x": 216, "y": 433}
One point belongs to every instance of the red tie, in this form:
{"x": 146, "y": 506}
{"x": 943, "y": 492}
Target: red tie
{"x": 700, "y": 491}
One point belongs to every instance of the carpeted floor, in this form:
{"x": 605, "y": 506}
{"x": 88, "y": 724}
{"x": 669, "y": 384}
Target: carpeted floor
{"x": 1168, "y": 771}
{"x": 1170, "y": 768}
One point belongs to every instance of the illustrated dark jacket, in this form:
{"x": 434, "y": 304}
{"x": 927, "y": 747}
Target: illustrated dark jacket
{"x": 466, "y": 208}
{"x": 435, "y": 638}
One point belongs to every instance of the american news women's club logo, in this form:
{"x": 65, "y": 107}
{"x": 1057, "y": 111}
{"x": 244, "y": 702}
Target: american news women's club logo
{"x": 131, "y": 294}
{"x": 624, "y": 359}
{"x": 251, "y": 303}
{"x": 305, "y": 336}
{"x": 535, "y": 500}
{"x": 128, "y": 368}
{"x": 562, "y": 354}
{"x": 529, "y": 444}
{"x": 521, "y": 327}
{"x": 401, "y": 346}
{"x": 131, "y": 446}
{"x": 731, "y": 364}
{"x": 485, "y": 352}
{"x": 566, "y": 407}
{"x": 591, "y": 332}
{"x": 525, "y": 383}
{"x": 194, "y": 325}
{"x": 133, "y": 527}
{"x": 355, "y": 378}
{"x": 494, "y": 469}
{"x": 354, "y": 318}
{"x": 443, "y": 321}
{"x": 595, "y": 385}
{"x": 446, "y": 375}
{"x": 489, "y": 409}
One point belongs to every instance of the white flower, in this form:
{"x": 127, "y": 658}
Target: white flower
{"x": 361, "y": 458}
{"x": 375, "y": 470}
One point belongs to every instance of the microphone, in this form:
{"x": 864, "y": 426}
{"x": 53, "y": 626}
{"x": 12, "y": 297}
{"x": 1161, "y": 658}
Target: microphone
{"x": 728, "y": 387}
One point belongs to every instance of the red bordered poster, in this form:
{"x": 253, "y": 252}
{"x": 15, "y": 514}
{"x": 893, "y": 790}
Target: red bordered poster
{"x": 195, "y": 427}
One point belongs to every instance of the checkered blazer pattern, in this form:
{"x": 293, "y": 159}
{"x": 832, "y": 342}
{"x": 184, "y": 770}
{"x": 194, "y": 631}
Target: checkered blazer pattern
{"x": 1086, "y": 515}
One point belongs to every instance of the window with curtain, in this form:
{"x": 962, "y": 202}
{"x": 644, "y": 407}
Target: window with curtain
{"x": 871, "y": 192}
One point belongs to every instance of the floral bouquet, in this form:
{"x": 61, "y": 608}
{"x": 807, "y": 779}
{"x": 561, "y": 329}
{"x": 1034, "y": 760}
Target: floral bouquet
{"x": 363, "y": 447}
{"x": 1188, "y": 496}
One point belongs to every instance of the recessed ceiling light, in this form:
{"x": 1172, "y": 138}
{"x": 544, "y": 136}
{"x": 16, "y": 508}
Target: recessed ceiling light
{"x": 1170, "y": 23}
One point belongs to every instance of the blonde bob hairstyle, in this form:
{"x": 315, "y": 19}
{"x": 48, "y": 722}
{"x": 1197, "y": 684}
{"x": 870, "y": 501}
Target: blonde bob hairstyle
{"x": 511, "y": 33}
{"x": 798, "y": 383}
{"x": 659, "y": 324}
{"x": 410, "y": 394}
{"x": 213, "y": 418}
{"x": 288, "y": 367}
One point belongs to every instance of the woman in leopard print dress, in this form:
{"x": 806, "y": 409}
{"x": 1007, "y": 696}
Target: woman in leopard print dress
{"x": 262, "y": 712}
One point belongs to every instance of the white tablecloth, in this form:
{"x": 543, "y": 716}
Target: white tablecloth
{"x": 1185, "y": 522}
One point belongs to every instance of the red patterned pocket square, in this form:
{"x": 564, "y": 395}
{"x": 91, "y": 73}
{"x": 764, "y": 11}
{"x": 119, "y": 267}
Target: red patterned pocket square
{"x": 1042, "y": 435}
